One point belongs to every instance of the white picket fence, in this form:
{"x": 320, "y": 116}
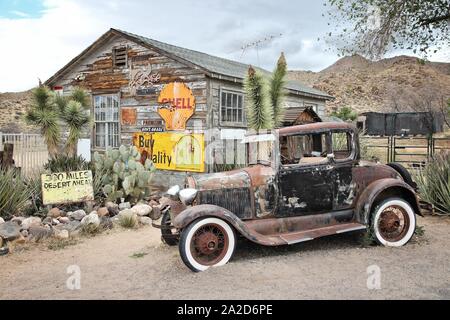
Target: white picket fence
{"x": 30, "y": 150}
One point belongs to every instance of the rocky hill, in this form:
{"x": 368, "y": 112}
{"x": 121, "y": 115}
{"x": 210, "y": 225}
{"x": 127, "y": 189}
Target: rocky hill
{"x": 12, "y": 110}
{"x": 395, "y": 84}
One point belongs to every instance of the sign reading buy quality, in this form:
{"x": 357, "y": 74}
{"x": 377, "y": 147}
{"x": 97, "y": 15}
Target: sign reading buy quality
{"x": 172, "y": 150}
{"x": 67, "y": 187}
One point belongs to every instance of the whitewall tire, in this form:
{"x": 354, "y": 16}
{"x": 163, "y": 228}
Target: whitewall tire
{"x": 393, "y": 222}
{"x": 207, "y": 242}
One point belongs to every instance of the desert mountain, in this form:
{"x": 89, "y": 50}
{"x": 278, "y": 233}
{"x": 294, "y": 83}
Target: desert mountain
{"x": 400, "y": 83}
{"x": 12, "y": 110}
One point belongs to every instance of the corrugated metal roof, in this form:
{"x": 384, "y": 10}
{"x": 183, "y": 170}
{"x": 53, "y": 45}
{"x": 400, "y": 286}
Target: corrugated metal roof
{"x": 218, "y": 65}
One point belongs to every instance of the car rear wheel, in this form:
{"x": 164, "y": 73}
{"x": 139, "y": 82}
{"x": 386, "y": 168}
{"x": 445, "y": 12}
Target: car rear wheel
{"x": 393, "y": 222}
{"x": 207, "y": 242}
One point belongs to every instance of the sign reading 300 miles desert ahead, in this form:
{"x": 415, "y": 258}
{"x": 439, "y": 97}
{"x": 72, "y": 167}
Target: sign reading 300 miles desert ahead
{"x": 67, "y": 187}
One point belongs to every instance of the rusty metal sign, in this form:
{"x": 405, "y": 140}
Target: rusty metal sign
{"x": 129, "y": 116}
{"x": 178, "y": 105}
{"x": 172, "y": 150}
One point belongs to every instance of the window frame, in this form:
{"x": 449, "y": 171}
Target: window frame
{"x": 352, "y": 155}
{"x": 238, "y": 93}
{"x": 94, "y": 131}
{"x": 328, "y": 148}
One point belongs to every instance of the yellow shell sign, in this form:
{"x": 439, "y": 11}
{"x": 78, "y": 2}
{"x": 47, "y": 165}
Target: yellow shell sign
{"x": 172, "y": 150}
{"x": 179, "y": 105}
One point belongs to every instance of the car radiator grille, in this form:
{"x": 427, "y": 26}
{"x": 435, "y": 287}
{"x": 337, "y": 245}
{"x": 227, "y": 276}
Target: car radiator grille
{"x": 236, "y": 200}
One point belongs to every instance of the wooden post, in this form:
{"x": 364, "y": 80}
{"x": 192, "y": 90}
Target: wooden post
{"x": 7, "y": 157}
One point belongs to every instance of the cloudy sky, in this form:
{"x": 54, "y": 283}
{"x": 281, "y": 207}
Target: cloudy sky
{"x": 38, "y": 37}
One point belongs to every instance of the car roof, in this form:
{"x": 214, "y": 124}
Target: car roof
{"x": 315, "y": 128}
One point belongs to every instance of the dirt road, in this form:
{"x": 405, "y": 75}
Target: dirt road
{"x": 135, "y": 265}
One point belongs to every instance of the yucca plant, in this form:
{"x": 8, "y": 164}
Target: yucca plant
{"x": 259, "y": 111}
{"x": 277, "y": 91}
{"x": 14, "y": 192}
{"x": 73, "y": 111}
{"x": 433, "y": 182}
{"x": 44, "y": 114}
{"x": 66, "y": 163}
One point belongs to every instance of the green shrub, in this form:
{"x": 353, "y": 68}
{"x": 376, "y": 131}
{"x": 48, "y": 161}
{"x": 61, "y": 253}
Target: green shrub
{"x": 65, "y": 163}
{"x": 433, "y": 182}
{"x": 128, "y": 221}
{"x": 124, "y": 175}
{"x": 37, "y": 207}
{"x": 345, "y": 113}
{"x": 14, "y": 192}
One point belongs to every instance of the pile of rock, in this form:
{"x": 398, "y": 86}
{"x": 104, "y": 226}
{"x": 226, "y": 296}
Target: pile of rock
{"x": 62, "y": 225}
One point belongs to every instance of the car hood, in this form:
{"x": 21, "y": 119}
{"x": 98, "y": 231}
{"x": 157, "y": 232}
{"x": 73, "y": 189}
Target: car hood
{"x": 252, "y": 176}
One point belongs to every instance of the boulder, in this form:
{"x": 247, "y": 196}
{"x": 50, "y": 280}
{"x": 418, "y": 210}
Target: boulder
{"x": 20, "y": 240}
{"x": 91, "y": 218}
{"x": 37, "y": 233}
{"x": 9, "y": 230}
{"x": 24, "y": 233}
{"x": 2, "y": 221}
{"x": 48, "y": 220}
{"x": 28, "y": 222}
{"x": 71, "y": 226}
{"x": 153, "y": 203}
{"x": 18, "y": 220}
{"x": 1, "y": 242}
{"x": 142, "y": 209}
{"x": 103, "y": 212}
{"x": 54, "y": 213}
{"x": 113, "y": 208}
{"x": 61, "y": 234}
{"x": 106, "y": 223}
{"x": 77, "y": 215}
{"x": 145, "y": 221}
{"x": 64, "y": 220}
{"x": 124, "y": 205}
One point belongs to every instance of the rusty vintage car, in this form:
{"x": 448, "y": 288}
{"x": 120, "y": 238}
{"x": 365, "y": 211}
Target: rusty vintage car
{"x": 302, "y": 182}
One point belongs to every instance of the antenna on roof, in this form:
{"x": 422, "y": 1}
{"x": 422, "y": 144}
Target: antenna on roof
{"x": 256, "y": 44}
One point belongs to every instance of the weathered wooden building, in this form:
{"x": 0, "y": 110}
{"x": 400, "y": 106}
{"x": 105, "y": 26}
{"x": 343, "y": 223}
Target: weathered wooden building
{"x": 126, "y": 75}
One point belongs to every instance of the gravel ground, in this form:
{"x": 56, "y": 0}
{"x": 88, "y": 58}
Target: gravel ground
{"x": 125, "y": 264}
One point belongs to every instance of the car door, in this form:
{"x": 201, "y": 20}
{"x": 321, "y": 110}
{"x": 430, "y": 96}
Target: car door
{"x": 344, "y": 154}
{"x": 305, "y": 182}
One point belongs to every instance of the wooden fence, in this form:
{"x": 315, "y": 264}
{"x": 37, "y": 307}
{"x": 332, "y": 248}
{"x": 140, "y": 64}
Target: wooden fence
{"x": 30, "y": 151}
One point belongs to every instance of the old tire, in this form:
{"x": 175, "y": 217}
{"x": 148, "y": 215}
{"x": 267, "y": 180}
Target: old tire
{"x": 207, "y": 242}
{"x": 393, "y": 222}
{"x": 166, "y": 234}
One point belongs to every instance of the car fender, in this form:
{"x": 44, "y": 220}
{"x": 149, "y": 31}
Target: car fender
{"x": 191, "y": 214}
{"x": 388, "y": 186}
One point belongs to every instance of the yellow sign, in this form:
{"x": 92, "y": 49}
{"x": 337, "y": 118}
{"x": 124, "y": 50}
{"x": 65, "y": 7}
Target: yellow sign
{"x": 172, "y": 150}
{"x": 67, "y": 187}
{"x": 179, "y": 105}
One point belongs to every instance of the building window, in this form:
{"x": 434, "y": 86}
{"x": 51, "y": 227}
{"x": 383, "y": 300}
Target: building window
{"x": 120, "y": 56}
{"x": 232, "y": 107}
{"x": 106, "y": 116}
{"x": 313, "y": 106}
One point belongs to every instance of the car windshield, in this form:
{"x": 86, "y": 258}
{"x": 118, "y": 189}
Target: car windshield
{"x": 259, "y": 148}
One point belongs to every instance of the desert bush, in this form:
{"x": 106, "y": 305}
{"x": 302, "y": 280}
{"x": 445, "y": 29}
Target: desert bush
{"x": 65, "y": 163}
{"x": 433, "y": 182}
{"x": 128, "y": 221}
{"x": 14, "y": 192}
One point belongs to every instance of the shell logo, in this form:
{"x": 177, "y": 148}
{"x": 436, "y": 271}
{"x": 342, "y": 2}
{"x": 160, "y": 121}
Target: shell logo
{"x": 179, "y": 105}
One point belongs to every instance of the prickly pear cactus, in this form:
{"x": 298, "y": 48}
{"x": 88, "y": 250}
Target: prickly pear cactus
{"x": 126, "y": 176}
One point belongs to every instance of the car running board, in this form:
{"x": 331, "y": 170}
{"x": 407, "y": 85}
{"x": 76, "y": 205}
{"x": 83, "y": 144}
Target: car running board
{"x": 304, "y": 235}
{"x": 301, "y": 236}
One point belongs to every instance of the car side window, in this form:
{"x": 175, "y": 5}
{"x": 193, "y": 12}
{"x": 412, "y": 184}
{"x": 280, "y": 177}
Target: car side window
{"x": 342, "y": 145}
{"x": 305, "y": 149}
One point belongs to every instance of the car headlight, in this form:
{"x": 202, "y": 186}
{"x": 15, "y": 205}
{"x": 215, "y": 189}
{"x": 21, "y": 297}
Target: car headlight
{"x": 187, "y": 196}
